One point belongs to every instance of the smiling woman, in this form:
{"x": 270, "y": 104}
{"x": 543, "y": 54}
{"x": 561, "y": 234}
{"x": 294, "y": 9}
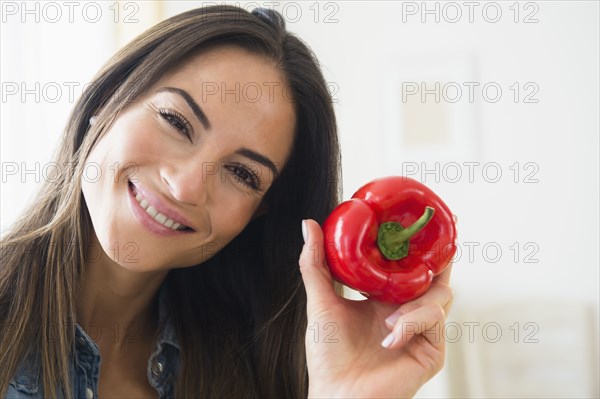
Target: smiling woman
{"x": 201, "y": 171}
{"x": 213, "y": 136}
{"x": 178, "y": 253}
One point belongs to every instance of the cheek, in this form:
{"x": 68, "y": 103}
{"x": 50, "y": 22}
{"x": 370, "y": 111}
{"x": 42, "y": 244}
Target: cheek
{"x": 128, "y": 144}
{"x": 231, "y": 217}
{"x": 117, "y": 156}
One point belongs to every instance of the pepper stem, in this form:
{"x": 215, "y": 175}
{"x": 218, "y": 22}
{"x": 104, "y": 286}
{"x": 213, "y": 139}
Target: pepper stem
{"x": 394, "y": 239}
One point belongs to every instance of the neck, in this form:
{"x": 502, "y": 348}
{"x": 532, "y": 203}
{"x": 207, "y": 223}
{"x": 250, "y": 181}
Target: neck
{"x": 116, "y": 304}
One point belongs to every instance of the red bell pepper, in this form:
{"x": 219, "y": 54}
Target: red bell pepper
{"x": 390, "y": 239}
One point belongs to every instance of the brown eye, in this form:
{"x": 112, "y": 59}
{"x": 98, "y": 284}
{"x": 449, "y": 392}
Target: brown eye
{"x": 244, "y": 175}
{"x": 176, "y": 120}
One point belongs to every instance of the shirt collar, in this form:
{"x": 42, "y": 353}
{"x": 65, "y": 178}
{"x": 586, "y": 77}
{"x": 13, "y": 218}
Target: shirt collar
{"x": 167, "y": 333}
{"x": 29, "y": 372}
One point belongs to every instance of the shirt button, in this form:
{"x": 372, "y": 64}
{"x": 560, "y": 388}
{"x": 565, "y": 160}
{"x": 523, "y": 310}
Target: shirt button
{"x": 157, "y": 368}
{"x": 89, "y": 394}
{"x": 81, "y": 341}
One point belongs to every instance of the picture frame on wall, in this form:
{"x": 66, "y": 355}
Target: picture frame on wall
{"x": 431, "y": 107}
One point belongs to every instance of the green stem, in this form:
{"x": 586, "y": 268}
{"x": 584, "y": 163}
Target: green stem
{"x": 394, "y": 239}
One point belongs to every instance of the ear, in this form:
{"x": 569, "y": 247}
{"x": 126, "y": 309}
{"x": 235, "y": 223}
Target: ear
{"x": 261, "y": 210}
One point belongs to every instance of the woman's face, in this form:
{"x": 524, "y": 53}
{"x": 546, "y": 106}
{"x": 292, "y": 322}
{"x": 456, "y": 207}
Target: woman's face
{"x": 200, "y": 150}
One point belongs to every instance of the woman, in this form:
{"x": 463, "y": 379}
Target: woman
{"x": 162, "y": 259}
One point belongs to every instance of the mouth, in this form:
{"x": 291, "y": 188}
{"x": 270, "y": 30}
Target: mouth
{"x": 158, "y": 222}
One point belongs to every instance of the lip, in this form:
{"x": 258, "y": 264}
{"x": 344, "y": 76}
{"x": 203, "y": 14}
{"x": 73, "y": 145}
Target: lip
{"x": 147, "y": 221}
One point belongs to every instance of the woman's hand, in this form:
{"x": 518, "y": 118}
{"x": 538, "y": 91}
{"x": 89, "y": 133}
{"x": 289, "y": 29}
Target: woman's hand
{"x": 345, "y": 338}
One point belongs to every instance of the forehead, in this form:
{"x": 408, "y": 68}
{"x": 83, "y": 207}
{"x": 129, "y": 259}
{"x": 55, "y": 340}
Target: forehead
{"x": 243, "y": 94}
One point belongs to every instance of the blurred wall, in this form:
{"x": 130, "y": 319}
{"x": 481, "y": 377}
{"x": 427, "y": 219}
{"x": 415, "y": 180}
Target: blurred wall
{"x": 494, "y": 105}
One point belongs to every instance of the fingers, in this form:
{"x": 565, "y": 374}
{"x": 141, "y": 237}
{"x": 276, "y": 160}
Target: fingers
{"x": 438, "y": 294}
{"x": 424, "y": 315}
{"x": 315, "y": 273}
{"x": 312, "y": 252}
{"x": 444, "y": 277}
{"x": 425, "y": 320}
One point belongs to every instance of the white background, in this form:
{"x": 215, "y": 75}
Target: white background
{"x": 549, "y": 279}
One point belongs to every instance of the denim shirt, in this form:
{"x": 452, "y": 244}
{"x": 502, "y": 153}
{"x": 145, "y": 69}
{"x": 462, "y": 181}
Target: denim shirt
{"x": 162, "y": 365}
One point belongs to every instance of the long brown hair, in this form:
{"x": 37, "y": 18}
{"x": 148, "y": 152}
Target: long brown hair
{"x": 241, "y": 315}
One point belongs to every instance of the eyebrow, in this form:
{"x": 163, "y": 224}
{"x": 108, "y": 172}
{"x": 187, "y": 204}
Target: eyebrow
{"x": 192, "y": 104}
{"x": 255, "y": 156}
{"x": 248, "y": 153}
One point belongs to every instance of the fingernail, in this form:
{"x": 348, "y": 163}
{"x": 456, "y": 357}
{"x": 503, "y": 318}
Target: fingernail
{"x": 387, "y": 341}
{"x": 391, "y": 320}
{"x": 304, "y": 230}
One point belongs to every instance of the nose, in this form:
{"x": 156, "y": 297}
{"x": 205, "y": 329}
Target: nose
{"x": 188, "y": 182}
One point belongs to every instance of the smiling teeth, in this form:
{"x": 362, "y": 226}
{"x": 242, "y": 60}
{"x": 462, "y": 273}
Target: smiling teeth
{"x": 159, "y": 217}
